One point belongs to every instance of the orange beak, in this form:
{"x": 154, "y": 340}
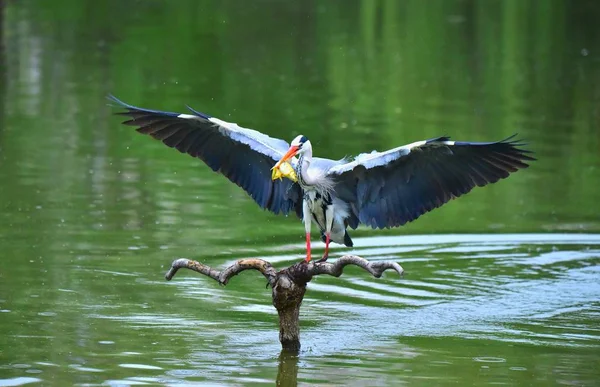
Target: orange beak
{"x": 290, "y": 153}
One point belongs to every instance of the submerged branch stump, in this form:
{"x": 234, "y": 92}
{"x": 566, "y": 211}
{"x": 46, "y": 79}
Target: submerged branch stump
{"x": 288, "y": 285}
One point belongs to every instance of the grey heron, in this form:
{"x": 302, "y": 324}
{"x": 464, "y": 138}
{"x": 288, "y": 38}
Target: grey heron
{"x": 377, "y": 189}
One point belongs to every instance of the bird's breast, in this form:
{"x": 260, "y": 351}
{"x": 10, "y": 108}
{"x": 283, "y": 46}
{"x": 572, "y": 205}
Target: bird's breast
{"x": 317, "y": 200}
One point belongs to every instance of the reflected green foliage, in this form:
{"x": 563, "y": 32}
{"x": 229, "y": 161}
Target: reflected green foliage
{"x": 91, "y": 213}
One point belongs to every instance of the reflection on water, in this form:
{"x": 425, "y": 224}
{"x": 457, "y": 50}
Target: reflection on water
{"x": 502, "y": 305}
{"x": 91, "y": 214}
{"x": 287, "y": 373}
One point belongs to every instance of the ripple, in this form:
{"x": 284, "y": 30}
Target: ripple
{"x": 489, "y": 359}
{"x": 506, "y": 292}
{"x": 47, "y": 314}
{"x": 20, "y": 381}
{"x": 560, "y": 257}
{"x": 79, "y": 367}
{"x": 140, "y": 366}
{"x": 124, "y": 382}
{"x": 21, "y": 366}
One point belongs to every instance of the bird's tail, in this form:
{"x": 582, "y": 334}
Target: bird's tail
{"x": 347, "y": 240}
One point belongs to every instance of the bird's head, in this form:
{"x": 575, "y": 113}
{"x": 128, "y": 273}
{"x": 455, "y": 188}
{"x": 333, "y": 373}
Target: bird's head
{"x": 299, "y": 145}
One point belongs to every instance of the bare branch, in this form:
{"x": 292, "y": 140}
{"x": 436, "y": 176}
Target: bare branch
{"x": 288, "y": 285}
{"x": 261, "y": 265}
{"x": 191, "y": 265}
{"x": 224, "y": 276}
{"x": 336, "y": 268}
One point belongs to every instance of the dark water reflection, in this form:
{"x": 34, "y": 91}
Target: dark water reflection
{"x": 501, "y": 285}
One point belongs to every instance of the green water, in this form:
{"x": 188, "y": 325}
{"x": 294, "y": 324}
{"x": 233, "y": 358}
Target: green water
{"x": 502, "y": 285}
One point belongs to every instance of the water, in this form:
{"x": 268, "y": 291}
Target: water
{"x": 502, "y": 286}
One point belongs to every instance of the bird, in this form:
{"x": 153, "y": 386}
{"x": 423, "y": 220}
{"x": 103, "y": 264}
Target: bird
{"x": 378, "y": 189}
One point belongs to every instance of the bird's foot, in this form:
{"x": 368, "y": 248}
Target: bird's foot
{"x": 325, "y": 256}
{"x": 326, "y": 253}
{"x": 307, "y": 259}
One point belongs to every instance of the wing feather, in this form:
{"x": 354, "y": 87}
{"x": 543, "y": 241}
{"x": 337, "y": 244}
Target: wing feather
{"x": 244, "y": 156}
{"x": 388, "y": 189}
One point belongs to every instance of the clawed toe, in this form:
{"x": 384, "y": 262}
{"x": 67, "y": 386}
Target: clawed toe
{"x": 305, "y": 260}
{"x": 323, "y": 259}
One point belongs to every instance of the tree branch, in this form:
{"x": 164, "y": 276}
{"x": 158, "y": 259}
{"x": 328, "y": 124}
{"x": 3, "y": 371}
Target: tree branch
{"x": 224, "y": 276}
{"x": 336, "y": 268}
{"x": 288, "y": 285}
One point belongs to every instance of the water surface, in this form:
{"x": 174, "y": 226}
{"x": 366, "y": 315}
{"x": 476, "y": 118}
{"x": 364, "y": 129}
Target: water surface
{"x": 501, "y": 286}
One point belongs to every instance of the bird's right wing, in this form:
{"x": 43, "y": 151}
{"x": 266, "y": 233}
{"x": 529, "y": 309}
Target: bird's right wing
{"x": 244, "y": 156}
{"x": 388, "y": 189}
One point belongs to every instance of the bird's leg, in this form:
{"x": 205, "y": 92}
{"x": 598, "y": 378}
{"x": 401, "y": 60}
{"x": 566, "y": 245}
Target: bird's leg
{"x": 326, "y": 254}
{"x": 307, "y": 259}
{"x": 328, "y": 226}
{"x": 307, "y": 218}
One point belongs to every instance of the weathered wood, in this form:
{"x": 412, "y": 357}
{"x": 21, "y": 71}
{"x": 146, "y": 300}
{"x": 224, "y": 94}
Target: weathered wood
{"x": 287, "y": 298}
{"x": 224, "y": 276}
{"x": 288, "y": 285}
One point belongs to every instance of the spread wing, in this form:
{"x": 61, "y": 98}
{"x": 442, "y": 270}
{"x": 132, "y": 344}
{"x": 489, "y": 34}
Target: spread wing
{"x": 388, "y": 189}
{"x": 244, "y": 156}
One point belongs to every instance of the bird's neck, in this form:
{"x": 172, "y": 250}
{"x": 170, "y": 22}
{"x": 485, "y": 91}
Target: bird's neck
{"x": 305, "y": 178}
{"x": 312, "y": 179}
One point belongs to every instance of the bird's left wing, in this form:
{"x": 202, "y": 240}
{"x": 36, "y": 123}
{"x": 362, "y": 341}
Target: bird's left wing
{"x": 388, "y": 189}
{"x": 244, "y": 156}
